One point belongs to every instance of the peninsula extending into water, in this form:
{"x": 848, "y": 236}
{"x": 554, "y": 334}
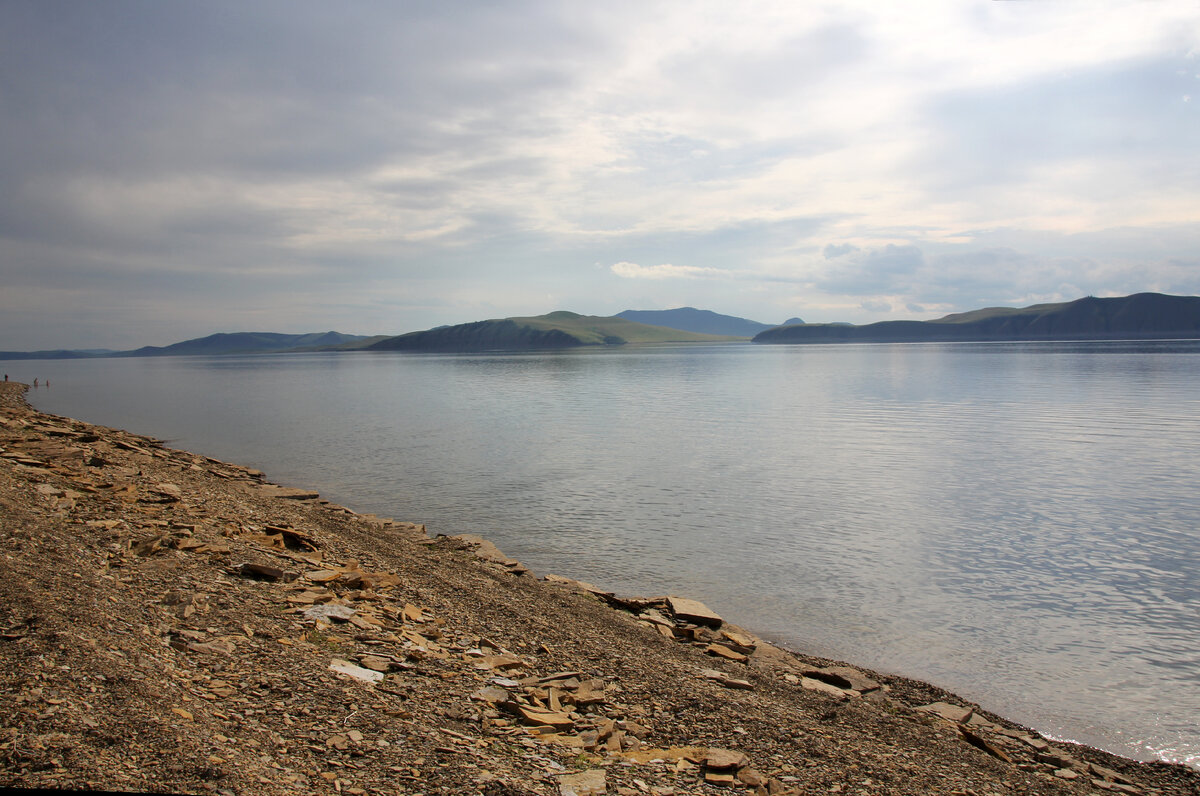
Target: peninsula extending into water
{"x": 173, "y": 622}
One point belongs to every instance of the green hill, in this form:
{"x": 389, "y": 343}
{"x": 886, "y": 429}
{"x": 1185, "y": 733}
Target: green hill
{"x": 1143, "y": 316}
{"x": 690, "y": 319}
{"x": 245, "y": 343}
{"x": 556, "y": 330}
{"x": 214, "y": 344}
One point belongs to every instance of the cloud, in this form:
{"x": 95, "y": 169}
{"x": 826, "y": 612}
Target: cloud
{"x": 890, "y": 270}
{"x": 666, "y": 271}
{"x": 832, "y": 251}
{"x": 282, "y": 162}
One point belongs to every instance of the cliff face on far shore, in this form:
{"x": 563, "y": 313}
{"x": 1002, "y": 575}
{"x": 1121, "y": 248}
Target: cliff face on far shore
{"x": 170, "y": 622}
{"x": 1137, "y": 317}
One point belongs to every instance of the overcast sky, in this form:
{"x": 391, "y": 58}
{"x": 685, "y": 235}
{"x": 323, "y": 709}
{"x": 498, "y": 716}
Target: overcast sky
{"x": 173, "y": 169}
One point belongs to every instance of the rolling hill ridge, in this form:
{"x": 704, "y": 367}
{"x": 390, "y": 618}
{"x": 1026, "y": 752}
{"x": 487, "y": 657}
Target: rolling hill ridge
{"x": 213, "y": 344}
{"x": 1137, "y": 317}
{"x": 690, "y": 319}
{"x": 560, "y": 329}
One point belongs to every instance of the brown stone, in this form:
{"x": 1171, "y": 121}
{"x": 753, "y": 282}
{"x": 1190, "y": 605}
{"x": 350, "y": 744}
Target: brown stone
{"x": 172, "y": 491}
{"x": 221, "y": 647}
{"x": 693, "y": 611}
{"x": 1057, "y": 759}
{"x": 809, "y": 684}
{"x": 558, "y": 677}
{"x": 751, "y": 778}
{"x": 375, "y": 663}
{"x": 357, "y": 672}
{"x": 732, "y": 682}
{"x": 261, "y": 572}
{"x": 287, "y": 493}
{"x": 586, "y": 783}
{"x": 499, "y": 662}
{"x": 844, "y": 677}
{"x": 979, "y": 742}
{"x": 720, "y": 778}
{"x": 1106, "y": 773}
{"x": 717, "y": 758}
{"x": 543, "y": 718}
{"x": 726, "y": 680}
{"x": 676, "y": 753}
{"x": 588, "y": 694}
{"x": 329, "y": 612}
{"x": 578, "y": 585}
{"x": 739, "y": 641}
{"x": 491, "y": 693}
{"x": 955, "y": 713}
{"x": 721, "y": 651}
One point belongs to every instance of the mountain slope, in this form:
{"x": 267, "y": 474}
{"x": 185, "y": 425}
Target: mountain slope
{"x": 58, "y": 353}
{"x": 690, "y": 319}
{"x": 214, "y": 344}
{"x": 244, "y": 343}
{"x": 1140, "y": 316}
{"x": 556, "y": 330}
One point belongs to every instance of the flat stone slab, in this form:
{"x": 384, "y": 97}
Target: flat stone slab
{"x": 694, "y": 611}
{"x": 822, "y": 687}
{"x": 585, "y": 783}
{"x": 329, "y": 612}
{"x": 845, "y": 677}
{"x": 955, "y": 713}
{"x": 725, "y": 758}
{"x": 729, "y": 654}
{"x": 357, "y": 672}
{"x": 289, "y": 493}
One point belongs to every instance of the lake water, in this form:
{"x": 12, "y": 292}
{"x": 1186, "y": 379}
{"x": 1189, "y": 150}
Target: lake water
{"x": 1019, "y": 523}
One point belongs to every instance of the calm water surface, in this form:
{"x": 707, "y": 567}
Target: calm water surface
{"x": 1019, "y": 523}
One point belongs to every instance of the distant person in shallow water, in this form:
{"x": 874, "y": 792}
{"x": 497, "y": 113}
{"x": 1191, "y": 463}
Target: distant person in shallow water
{"x": 35, "y": 383}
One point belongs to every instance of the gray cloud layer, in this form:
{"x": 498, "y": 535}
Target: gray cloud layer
{"x": 175, "y": 169}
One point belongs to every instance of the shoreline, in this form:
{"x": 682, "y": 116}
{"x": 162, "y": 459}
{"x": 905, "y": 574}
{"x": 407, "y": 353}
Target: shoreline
{"x": 224, "y": 593}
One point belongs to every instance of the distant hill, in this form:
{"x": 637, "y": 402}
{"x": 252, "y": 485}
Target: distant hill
{"x": 221, "y": 343}
{"x": 557, "y": 330}
{"x": 245, "y": 343}
{"x": 58, "y": 353}
{"x": 690, "y": 319}
{"x": 1140, "y": 316}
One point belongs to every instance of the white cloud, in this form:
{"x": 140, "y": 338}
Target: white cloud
{"x": 665, "y": 271}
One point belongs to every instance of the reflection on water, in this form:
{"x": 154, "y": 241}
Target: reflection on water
{"x": 1016, "y": 522}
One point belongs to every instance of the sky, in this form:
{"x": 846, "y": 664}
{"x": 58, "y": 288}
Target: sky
{"x": 174, "y": 169}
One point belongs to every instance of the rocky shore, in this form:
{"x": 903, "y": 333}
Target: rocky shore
{"x": 173, "y": 623}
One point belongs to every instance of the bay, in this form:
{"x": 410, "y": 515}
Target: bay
{"x": 1018, "y": 523}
